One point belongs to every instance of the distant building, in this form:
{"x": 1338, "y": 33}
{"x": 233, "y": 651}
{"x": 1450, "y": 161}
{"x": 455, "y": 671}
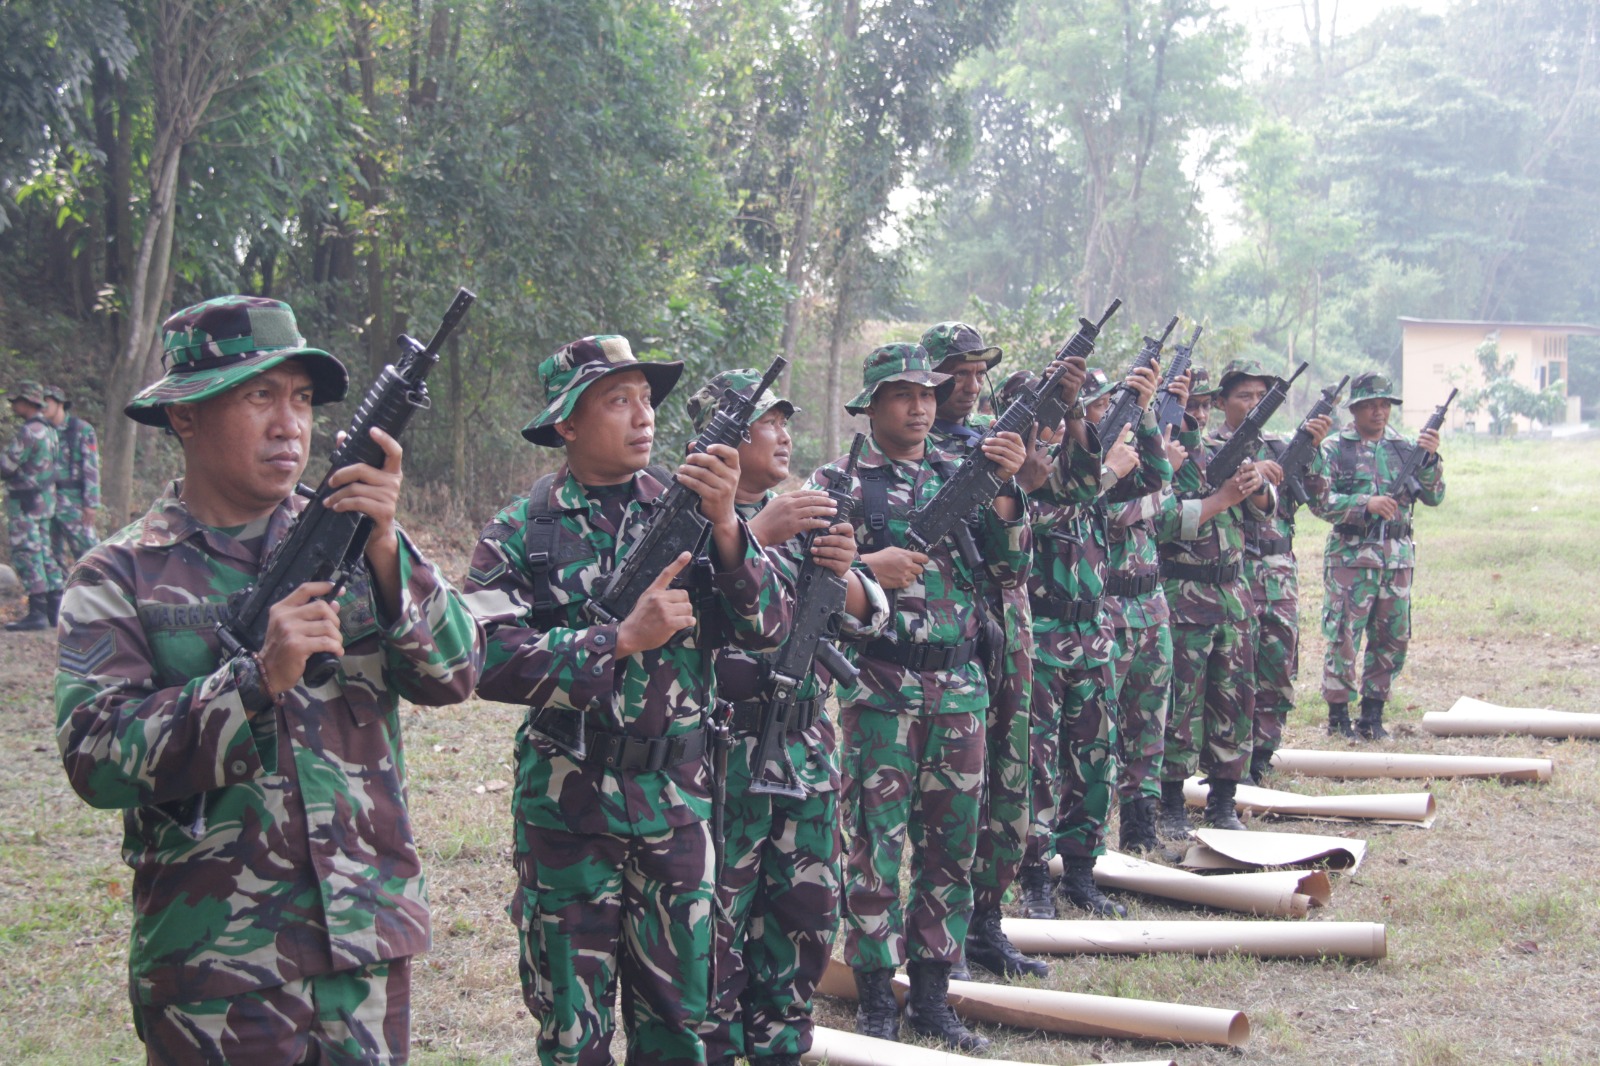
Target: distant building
{"x": 1437, "y": 355}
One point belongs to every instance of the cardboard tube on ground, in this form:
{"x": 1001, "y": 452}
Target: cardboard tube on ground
{"x": 1375, "y": 764}
{"x": 839, "y": 1048}
{"x": 1263, "y": 940}
{"x": 1233, "y": 849}
{"x": 1475, "y": 718}
{"x": 1269, "y": 894}
{"x": 1392, "y": 808}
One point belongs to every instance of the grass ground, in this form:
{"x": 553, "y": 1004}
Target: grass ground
{"x": 1494, "y": 924}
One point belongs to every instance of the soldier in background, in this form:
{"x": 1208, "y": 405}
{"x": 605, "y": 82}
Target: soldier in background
{"x": 28, "y": 466}
{"x": 77, "y": 481}
{"x": 1370, "y": 554}
{"x": 1201, "y": 399}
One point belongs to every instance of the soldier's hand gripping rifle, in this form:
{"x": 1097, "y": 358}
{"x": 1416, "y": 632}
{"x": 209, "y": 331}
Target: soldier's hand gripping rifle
{"x": 324, "y": 545}
{"x": 819, "y": 599}
{"x": 1296, "y": 458}
{"x": 1169, "y": 410}
{"x": 976, "y": 481}
{"x": 1405, "y": 479}
{"x": 677, "y": 525}
{"x": 1125, "y": 409}
{"x": 1247, "y": 438}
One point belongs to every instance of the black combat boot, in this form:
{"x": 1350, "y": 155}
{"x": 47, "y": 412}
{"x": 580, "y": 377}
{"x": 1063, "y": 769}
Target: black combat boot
{"x": 1339, "y": 720}
{"x": 1220, "y": 812}
{"x": 1370, "y": 724}
{"x": 959, "y": 971}
{"x": 1078, "y": 888}
{"x": 1174, "y": 824}
{"x": 1038, "y": 901}
{"x": 53, "y": 606}
{"x": 38, "y": 617}
{"x": 989, "y": 947}
{"x": 928, "y": 1010}
{"x": 1136, "y": 829}
{"x": 877, "y": 1013}
{"x": 1260, "y": 767}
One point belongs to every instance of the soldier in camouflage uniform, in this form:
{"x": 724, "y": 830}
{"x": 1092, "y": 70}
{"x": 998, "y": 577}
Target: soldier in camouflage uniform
{"x": 1202, "y": 397}
{"x": 77, "y": 481}
{"x": 613, "y": 804}
{"x": 278, "y": 894}
{"x": 957, "y": 349}
{"x": 1370, "y": 554}
{"x": 914, "y": 721}
{"x": 779, "y": 885}
{"x": 28, "y": 466}
{"x": 1212, "y": 710}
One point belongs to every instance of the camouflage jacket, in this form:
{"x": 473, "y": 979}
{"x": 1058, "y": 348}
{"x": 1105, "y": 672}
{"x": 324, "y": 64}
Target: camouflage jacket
{"x": 1069, "y": 537}
{"x": 1357, "y": 471}
{"x": 936, "y": 608}
{"x": 1269, "y": 562}
{"x": 268, "y": 846}
{"x": 1216, "y": 542}
{"x": 1130, "y": 533}
{"x": 78, "y": 462}
{"x": 29, "y": 463}
{"x": 568, "y": 672}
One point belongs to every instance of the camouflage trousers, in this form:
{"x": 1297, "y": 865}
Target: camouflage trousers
{"x": 779, "y": 893}
{"x": 71, "y": 530}
{"x": 916, "y": 778}
{"x": 1368, "y": 602}
{"x": 1212, "y": 712}
{"x": 1276, "y": 631}
{"x": 1142, "y": 663}
{"x": 353, "y": 1016}
{"x": 1005, "y": 816}
{"x": 593, "y": 909}
{"x": 1075, "y": 765}
{"x": 28, "y": 532}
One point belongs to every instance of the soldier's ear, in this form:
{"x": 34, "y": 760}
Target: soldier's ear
{"x": 567, "y": 430}
{"x": 181, "y": 420}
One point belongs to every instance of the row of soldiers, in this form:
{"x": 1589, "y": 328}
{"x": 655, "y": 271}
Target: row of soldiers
{"x": 51, "y": 471}
{"x": 1008, "y": 681}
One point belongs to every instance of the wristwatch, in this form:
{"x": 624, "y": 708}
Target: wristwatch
{"x": 1075, "y": 412}
{"x": 252, "y": 686}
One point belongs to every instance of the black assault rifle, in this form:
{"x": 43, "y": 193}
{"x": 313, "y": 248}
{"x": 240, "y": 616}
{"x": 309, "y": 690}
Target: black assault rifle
{"x": 1125, "y": 409}
{"x": 1169, "y": 412}
{"x": 1405, "y": 479}
{"x": 324, "y": 545}
{"x": 976, "y": 481}
{"x": 1296, "y": 458}
{"x": 1247, "y": 438}
{"x": 819, "y": 597}
{"x": 677, "y": 525}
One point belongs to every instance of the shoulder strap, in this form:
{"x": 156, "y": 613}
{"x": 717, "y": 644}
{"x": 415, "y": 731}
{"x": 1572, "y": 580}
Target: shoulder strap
{"x": 875, "y": 505}
{"x": 539, "y": 545}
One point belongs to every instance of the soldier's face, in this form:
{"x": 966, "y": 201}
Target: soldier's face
{"x": 612, "y": 429}
{"x": 250, "y": 445}
{"x": 23, "y": 409}
{"x": 53, "y": 411}
{"x": 963, "y": 400}
{"x": 1097, "y": 410}
{"x": 902, "y": 414}
{"x": 764, "y": 458}
{"x": 1371, "y": 417}
{"x": 1244, "y": 394}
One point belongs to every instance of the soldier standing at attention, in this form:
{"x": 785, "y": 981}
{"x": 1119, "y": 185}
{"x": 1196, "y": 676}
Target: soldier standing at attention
{"x": 278, "y": 895}
{"x": 1370, "y": 554}
{"x": 77, "y": 481}
{"x": 613, "y": 803}
{"x": 779, "y": 885}
{"x": 913, "y": 723}
{"x": 28, "y": 466}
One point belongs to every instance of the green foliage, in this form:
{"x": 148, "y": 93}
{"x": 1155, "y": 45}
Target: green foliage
{"x": 1505, "y": 397}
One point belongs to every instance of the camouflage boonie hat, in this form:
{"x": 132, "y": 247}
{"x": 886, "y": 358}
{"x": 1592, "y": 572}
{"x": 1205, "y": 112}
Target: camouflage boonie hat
{"x": 31, "y": 391}
{"x": 574, "y": 367}
{"x": 1200, "y": 382}
{"x": 1095, "y": 385}
{"x": 1245, "y": 368}
{"x": 1372, "y": 386}
{"x": 58, "y": 394}
{"x": 898, "y": 362}
{"x": 1013, "y": 387}
{"x": 212, "y": 346}
{"x": 948, "y": 340}
{"x": 703, "y": 404}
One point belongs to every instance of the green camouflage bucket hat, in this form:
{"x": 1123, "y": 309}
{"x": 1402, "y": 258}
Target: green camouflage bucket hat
{"x": 1013, "y": 387}
{"x": 215, "y": 345}
{"x": 1095, "y": 385}
{"x": 703, "y": 404}
{"x": 1372, "y": 386}
{"x": 58, "y": 394}
{"x": 574, "y": 367}
{"x": 31, "y": 391}
{"x": 952, "y": 340}
{"x": 898, "y": 362}
{"x": 1200, "y": 382}
{"x": 1245, "y": 368}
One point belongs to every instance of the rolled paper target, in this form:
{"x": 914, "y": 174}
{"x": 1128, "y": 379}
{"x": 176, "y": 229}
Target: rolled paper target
{"x": 1475, "y": 718}
{"x": 839, "y": 1048}
{"x": 1384, "y": 764}
{"x": 1262, "y": 940}
{"x": 1268, "y": 894}
{"x": 1234, "y": 849}
{"x": 1392, "y": 808}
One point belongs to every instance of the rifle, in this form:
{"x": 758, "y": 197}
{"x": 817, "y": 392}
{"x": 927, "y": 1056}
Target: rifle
{"x": 1125, "y": 408}
{"x": 323, "y": 545}
{"x": 1169, "y": 412}
{"x": 975, "y": 482}
{"x": 1247, "y": 438}
{"x": 677, "y": 525}
{"x": 1405, "y": 479}
{"x": 1297, "y": 456}
{"x": 819, "y": 596}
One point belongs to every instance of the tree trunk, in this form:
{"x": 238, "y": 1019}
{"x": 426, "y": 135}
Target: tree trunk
{"x": 838, "y": 336}
{"x": 458, "y": 418}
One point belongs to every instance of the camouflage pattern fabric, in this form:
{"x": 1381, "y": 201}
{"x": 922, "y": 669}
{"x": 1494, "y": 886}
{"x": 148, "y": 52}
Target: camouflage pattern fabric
{"x": 267, "y": 847}
{"x": 1142, "y": 665}
{"x": 1275, "y": 639}
{"x": 614, "y": 868}
{"x": 1364, "y": 603}
{"x": 1086, "y": 760}
{"x": 77, "y": 492}
{"x": 359, "y": 1017}
{"x": 28, "y": 466}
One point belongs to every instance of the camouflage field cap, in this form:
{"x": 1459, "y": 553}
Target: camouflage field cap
{"x": 898, "y": 362}
{"x": 1013, "y": 387}
{"x": 31, "y": 391}
{"x": 949, "y": 340}
{"x": 1245, "y": 368}
{"x": 215, "y": 345}
{"x": 1095, "y": 385}
{"x": 703, "y": 404}
{"x": 1372, "y": 386}
{"x": 574, "y": 367}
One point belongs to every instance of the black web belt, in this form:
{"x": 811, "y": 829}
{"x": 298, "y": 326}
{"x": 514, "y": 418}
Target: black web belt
{"x": 803, "y": 715}
{"x": 1126, "y": 585}
{"x": 920, "y": 658}
{"x": 1396, "y": 528}
{"x": 1205, "y": 573}
{"x": 634, "y": 755}
{"x": 1271, "y": 545}
{"x": 1060, "y": 609}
